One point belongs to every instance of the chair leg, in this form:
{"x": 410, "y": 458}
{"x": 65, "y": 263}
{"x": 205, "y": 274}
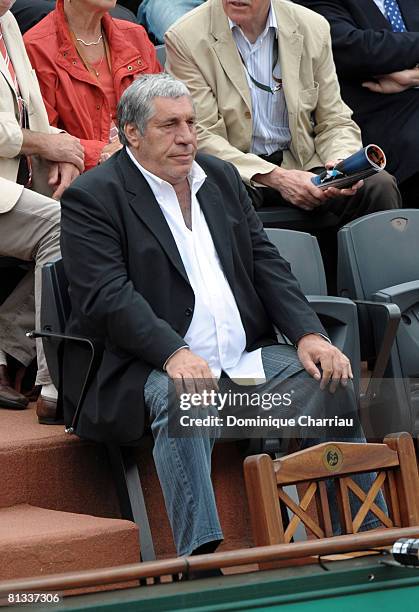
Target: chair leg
{"x": 130, "y": 494}
{"x": 407, "y": 479}
{"x": 263, "y": 500}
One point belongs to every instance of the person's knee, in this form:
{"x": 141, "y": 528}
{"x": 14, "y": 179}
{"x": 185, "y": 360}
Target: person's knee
{"x": 156, "y": 395}
{"x": 382, "y": 189}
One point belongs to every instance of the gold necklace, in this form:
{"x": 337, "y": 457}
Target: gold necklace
{"x": 96, "y": 70}
{"x": 89, "y": 44}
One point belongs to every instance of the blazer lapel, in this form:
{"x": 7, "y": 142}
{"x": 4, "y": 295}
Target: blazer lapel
{"x": 409, "y": 10}
{"x": 211, "y": 201}
{"x": 14, "y": 44}
{"x": 228, "y": 56}
{"x": 374, "y": 16}
{"x": 148, "y": 210}
{"x": 410, "y": 13}
{"x": 290, "y": 48}
{"x": 6, "y": 36}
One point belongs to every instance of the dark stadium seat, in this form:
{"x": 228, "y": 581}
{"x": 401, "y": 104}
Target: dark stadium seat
{"x": 378, "y": 260}
{"x": 339, "y": 317}
{"x": 54, "y": 314}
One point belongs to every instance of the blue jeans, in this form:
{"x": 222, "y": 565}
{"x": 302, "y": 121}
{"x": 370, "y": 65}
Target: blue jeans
{"x": 158, "y": 15}
{"x": 184, "y": 464}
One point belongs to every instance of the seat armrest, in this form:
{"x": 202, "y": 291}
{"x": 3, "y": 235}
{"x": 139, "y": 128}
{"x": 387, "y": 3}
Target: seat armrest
{"x": 336, "y": 307}
{"x": 82, "y": 340}
{"x": 404, "y": 295}
{"x": 392, "y": 315}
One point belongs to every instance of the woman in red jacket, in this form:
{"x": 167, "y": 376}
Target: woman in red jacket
{"x": 84, "y": 60}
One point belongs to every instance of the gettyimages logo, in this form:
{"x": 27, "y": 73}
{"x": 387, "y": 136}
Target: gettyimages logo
{"x": 265, "y": 401}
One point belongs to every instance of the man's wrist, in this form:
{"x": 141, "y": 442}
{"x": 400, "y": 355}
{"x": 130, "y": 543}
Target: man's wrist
{"x": 270, "y": 179}
{"x": 313, "y": 334}
{"x": 34, "y": 143}
{"x": 174, "y": 353}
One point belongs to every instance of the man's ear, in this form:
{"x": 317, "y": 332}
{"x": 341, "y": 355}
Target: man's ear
{"x": 133, "y": 135}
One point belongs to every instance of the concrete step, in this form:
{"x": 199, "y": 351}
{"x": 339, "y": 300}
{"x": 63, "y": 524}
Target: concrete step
{"x": 36, "y": 541}
{"x": 42, "y": 466}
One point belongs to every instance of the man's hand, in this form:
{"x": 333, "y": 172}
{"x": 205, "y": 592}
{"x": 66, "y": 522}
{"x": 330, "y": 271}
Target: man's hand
{"x": 190, "y": 373}
{"x": 64, "y": 148}
{"x": 347, "y": 191}
{"x": 60, "y": 176}
{"x": 295, "y": 186}
{"x": 54, "y": 147}
{"x": 109, "y": 150}
{"x": 395, "y": 82}
{"x": 314, "y": 350}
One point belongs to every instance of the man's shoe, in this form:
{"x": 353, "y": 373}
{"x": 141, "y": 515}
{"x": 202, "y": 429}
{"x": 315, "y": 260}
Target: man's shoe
{"x": 9, "y": 397}
{"x": 46, "y": 411}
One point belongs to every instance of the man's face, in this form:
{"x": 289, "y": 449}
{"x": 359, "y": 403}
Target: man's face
{"x": 244, "y": 12}
{"x": 169, "y": 145}
{"x": 5, "y": 5}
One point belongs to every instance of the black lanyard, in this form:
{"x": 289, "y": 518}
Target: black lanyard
{"x": 267, "y": 88}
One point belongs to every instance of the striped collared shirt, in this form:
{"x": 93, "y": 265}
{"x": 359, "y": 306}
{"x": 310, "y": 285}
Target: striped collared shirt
{"x": 269, "y": 111}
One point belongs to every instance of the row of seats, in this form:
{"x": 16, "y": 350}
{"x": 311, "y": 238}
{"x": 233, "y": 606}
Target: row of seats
{"x": 385, "y": 287}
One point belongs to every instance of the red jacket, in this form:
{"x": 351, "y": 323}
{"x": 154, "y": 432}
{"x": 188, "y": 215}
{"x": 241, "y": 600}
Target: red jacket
{"x": 74, "y": 99}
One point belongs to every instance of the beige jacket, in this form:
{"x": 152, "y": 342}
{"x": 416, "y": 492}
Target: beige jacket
{"x": 10, "y": 132}
{"x": 201, "y": 52}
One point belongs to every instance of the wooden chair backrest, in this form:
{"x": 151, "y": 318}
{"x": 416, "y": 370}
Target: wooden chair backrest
{"x": 393, "y": 462}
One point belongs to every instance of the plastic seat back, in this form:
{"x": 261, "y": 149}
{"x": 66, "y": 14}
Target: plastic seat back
{"x": 379, "y": 261}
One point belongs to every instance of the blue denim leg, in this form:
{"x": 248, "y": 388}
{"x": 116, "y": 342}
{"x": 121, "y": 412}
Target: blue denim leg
{"x": 184, "y": 470}
{"x": 158, "y": 15}
{"x": 273, "y": 363}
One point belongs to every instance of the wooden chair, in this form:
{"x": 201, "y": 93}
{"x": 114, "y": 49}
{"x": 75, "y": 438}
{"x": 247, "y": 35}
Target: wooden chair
{"x": 397, "y": 476}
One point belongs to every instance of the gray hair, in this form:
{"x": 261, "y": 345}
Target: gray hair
{"x": 136, "y": 103}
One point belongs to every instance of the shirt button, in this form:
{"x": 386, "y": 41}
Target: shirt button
{"x": 188, "y": 312}
{"x": 97, "y": 106}
{"x": 140, "y": 62}
{"x": 129, "y": 67}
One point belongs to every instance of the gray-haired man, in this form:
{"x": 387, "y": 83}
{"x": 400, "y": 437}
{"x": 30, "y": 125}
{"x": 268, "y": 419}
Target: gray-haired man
{"x": 172, "y": 274}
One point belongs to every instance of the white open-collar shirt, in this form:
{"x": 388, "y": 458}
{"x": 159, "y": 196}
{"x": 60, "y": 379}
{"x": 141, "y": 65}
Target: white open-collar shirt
{"x": 216, "y": 332}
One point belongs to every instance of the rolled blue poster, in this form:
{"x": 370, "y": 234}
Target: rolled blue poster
{"x": 367, "y": 161}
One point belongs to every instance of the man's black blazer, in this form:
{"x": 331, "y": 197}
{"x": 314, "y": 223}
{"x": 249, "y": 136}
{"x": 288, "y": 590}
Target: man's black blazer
{"x": 130, "y": 292}
{"x": 365, "y": 46}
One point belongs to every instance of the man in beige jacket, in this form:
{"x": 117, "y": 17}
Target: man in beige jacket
{"x": 262, "y": 77}
{"x": 41, "y": 157}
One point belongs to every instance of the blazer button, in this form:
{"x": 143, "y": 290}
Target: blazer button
{"x": 247, "y": 114}
{"x": 188, "y": 312}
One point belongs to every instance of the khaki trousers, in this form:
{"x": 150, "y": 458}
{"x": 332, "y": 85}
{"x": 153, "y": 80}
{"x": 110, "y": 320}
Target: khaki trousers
{"x": 31, "y": 232}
